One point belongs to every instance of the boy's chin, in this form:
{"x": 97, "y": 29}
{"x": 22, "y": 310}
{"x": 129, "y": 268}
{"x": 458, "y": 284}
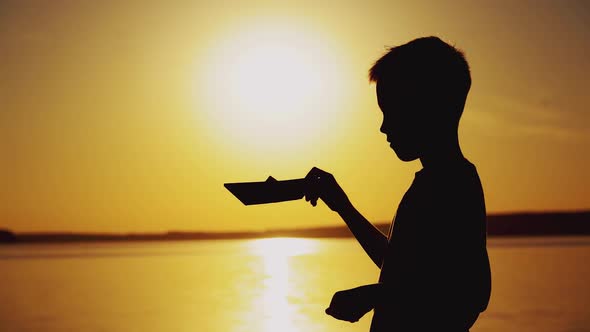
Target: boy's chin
{"x": 405, "y": 155}
{"x": 407, "y": 159}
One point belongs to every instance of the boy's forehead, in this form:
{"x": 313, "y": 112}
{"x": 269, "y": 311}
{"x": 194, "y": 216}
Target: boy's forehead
{"x": 390, "y": 88}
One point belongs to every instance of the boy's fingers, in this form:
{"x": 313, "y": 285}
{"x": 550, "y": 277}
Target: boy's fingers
{"x": 316, "y": 173}
{"x": 310, "y": 196}
{"x": 311, "y": 174}
{"x": 313, "y": 185}
{"x": 313, "y": 199}
{"x": 341, "y": 315}
{"x": 334, "y": 313}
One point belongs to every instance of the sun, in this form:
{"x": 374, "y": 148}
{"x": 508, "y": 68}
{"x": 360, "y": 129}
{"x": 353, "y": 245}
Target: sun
{"x": 272, "y": 87}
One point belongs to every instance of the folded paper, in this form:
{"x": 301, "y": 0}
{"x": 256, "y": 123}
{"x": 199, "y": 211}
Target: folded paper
{"x": 269, "y": 191}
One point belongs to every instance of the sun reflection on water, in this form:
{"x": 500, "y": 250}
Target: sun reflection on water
{"x": 278, "y": 314}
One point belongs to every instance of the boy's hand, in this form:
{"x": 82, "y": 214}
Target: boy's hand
{"x": 321, "y": 184}
{"x": 352, "y": 304}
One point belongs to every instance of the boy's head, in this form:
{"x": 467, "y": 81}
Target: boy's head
{"x": 421, "y": 90}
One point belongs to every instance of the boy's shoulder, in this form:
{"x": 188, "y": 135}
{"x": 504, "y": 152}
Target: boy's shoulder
{"x": 461, "y": 172}
{"x": 455, "y": 186}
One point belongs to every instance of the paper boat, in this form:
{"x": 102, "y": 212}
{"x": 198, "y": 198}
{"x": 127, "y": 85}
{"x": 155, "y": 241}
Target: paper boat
{"x": 269, "y": 191}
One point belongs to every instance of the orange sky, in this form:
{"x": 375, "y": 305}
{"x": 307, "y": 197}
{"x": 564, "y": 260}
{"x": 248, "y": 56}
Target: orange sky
{"x": 111, "y": 120}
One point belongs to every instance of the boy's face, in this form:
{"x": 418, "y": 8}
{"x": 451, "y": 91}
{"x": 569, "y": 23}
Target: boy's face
{"x": 400, "y": 124}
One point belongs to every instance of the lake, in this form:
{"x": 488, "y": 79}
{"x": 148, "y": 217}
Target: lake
{"x": 280, "y": 284}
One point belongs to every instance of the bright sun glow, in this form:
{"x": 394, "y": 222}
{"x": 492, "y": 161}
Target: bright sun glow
{"x": 273, "y": 87}
{"x": 282, "y": 247}
{"x": 278, "y": 312}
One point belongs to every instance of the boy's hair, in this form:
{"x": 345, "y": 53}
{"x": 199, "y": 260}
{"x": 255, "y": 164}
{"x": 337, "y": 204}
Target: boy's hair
{"x": 435, "y": 69}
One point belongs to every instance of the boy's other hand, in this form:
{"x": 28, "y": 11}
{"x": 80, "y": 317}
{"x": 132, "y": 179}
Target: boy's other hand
{"x": 321, "y": 184}
{"x": 352, "y": 304}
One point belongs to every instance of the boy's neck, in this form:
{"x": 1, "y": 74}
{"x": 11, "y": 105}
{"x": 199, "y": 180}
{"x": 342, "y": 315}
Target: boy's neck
{"x": 442, "y": 154}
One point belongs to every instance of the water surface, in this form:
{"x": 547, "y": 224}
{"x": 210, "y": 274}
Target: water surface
{"x": 539, "y": 284}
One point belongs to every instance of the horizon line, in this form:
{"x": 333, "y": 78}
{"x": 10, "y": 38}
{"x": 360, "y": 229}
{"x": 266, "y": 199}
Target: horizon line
{"x": 267, "y": 230}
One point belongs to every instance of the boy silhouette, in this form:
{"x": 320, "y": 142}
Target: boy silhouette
{"x": 435, "y": 273}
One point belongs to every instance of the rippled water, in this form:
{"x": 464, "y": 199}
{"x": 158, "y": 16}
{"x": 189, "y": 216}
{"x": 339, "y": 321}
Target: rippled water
{"x": 540, "y": 284}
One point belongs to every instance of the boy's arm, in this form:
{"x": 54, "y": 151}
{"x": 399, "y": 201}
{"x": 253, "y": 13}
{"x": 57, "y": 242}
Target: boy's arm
{"x": 370, "y": 237}
{"x": 321, "y": 184}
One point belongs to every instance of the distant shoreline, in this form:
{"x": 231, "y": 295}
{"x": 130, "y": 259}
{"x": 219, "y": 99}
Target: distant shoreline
{"x": 508, "y": 224}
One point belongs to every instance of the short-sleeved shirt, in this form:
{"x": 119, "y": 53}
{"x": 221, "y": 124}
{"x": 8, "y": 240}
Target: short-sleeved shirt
{"x": 436, "y": 270}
